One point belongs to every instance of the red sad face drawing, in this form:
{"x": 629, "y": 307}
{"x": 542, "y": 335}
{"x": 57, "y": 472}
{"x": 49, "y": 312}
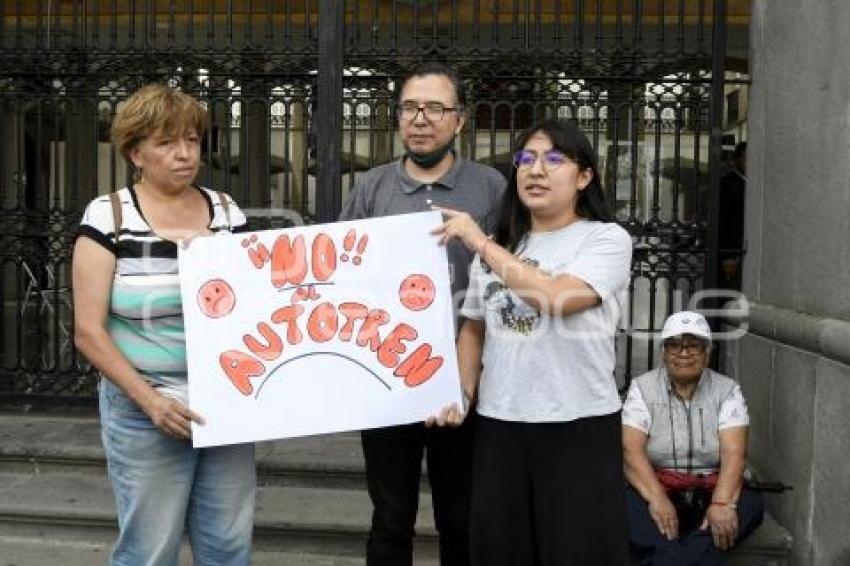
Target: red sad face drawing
{"x": 417, "y": 292}
{"x": 216, "y": 298}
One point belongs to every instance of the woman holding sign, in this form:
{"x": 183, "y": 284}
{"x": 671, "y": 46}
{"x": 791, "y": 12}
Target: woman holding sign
{"x": 129, "y": 324}
{"x": 537, "y": 351}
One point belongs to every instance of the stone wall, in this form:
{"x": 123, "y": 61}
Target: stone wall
{"x": 799, "y": 402}
{"x": 794, "y": 365}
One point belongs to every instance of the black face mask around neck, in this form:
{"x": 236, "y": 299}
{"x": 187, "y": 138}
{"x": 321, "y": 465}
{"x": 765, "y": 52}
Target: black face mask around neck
{"x": 432, "y": 159}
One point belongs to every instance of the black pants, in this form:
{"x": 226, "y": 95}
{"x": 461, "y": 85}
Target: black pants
{"x": 393, "y": 465}
{"x": 549, "y": 494}
{"x": 693, "y": 547}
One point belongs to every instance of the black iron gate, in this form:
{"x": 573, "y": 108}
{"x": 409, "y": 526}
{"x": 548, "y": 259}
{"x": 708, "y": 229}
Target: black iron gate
{"x": 300, "y": 95}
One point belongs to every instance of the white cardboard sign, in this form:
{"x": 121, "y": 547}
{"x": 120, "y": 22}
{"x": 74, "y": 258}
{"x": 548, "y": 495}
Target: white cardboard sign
{"x": 318, "y": 329}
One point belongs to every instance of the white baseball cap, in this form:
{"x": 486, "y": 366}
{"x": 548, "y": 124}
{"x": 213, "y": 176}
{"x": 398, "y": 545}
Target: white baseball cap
{"x": 686, "y": 322}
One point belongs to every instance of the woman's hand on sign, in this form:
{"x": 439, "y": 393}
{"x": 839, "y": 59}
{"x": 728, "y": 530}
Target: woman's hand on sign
{"x": 171, "y": 416}
{"x": 462, "y": 226}
{"x": 188, "y": 237}
{"x": 449, "y": 416}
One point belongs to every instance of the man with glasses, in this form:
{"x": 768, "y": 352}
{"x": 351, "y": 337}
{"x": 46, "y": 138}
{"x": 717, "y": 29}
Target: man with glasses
{"x": 430, "y": 114}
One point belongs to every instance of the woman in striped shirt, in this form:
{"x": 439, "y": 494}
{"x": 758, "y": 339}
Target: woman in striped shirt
{"x": 129, "y": 324}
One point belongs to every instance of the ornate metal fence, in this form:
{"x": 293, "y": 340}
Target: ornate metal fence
{"x": 300, "y": 95}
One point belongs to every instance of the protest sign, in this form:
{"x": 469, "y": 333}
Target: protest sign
{"x": 318, "y": 329}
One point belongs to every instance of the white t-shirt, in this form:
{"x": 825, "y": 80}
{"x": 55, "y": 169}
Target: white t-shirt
{"x": 546, "y": 368}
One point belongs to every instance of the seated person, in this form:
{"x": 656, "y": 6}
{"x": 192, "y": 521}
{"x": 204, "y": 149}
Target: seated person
{"x": 685, "y": 442}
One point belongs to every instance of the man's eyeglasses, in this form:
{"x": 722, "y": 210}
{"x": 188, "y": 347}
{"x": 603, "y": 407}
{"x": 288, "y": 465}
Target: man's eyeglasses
{"x": 550, "y": 160}
{"x": 433, "y": 111}
{"x": 677, "y": 346}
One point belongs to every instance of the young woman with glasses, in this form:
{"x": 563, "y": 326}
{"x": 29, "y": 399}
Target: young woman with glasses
{"x": 685, "y": 442}
{"x": 536, "y": 357}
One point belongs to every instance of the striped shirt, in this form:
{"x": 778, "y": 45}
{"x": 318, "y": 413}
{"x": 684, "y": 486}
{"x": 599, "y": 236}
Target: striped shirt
{"x": 145, "y": 317}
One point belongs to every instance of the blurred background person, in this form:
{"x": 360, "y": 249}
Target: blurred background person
{"x": 730, "y": 244}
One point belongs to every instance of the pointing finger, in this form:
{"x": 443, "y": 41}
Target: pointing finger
{"x": 448, "y": 212}
{"x": 439, "y": 229}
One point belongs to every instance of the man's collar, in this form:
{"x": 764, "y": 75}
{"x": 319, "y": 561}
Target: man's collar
{"x": 448, "y": 181}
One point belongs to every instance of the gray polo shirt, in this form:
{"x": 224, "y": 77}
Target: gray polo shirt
{"x": 467, "y": 186}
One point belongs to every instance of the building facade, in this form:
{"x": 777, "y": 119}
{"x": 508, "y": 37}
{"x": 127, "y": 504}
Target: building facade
{"x": 301, "y": 99}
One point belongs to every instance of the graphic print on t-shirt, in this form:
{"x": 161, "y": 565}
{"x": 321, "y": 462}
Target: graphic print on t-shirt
{"x": 513, "y": 312}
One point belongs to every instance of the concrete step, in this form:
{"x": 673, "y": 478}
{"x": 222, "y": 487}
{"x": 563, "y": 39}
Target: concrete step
{"x": 39, "y": 551}
{"x": 770, "y": 545}
{"x": 311, "y": 500}
{"x": 76, "y": 507}
{"x": 41, "y": 443}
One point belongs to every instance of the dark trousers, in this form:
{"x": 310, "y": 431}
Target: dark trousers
{"x": 393, "y": 465}
{"x": 549, "y": 494}
{"x": 694, "y": 548}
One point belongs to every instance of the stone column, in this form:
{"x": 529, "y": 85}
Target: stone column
{"x": 622, "y": 130}
{"x": 794, "y": 361}
{"x": 298, "y": 198}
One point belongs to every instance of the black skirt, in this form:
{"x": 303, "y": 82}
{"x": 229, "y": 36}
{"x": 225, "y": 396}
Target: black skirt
{"x": 547, "y": 494}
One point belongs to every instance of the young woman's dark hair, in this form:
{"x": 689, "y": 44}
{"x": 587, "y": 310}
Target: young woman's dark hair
{"x": 514, "y": 218}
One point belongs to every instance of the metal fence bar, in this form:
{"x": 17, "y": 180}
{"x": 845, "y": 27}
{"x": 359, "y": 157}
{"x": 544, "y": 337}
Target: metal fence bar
{"x": 64, "y": 70}
{"x": 329, "y": 104}
{"x": 718, "y": 68}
